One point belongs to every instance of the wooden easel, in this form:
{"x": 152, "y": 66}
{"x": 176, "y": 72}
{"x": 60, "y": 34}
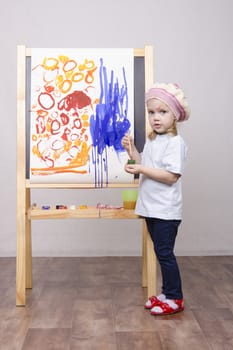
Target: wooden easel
{"x": 24, "y": 212}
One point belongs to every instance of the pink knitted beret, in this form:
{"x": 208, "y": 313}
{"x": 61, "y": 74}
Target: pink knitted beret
{"x": 173, "y": 96}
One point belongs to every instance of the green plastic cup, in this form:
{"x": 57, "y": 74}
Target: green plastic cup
{"x": 129, "y": 198}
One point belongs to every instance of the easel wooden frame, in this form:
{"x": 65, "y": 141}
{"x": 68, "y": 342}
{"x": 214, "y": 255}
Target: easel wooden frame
{"x": 24, "y": 212}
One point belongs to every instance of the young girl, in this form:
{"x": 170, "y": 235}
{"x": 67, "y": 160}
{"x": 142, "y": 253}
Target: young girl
{"x": 160, "y": 199}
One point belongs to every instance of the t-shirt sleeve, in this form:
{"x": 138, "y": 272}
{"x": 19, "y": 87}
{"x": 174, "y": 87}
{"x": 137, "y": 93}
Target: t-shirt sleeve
{"x": 175, "y": 155}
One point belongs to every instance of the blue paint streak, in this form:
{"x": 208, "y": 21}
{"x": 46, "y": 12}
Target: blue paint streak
{"x": 109, "y": 123}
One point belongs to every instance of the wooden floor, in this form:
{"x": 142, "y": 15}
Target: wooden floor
{"x": 97, "y": 303}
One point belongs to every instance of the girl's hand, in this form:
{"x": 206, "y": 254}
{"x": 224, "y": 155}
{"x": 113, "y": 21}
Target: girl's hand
{"x": 133, "y": 168}
{"x": 128, "y": 144}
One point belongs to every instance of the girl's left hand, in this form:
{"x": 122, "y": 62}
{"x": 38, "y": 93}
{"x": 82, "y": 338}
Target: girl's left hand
{"x": 133, "y": 168}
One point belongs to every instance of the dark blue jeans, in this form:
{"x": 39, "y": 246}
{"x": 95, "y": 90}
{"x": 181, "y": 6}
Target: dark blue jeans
{"x": 163, "y": 234}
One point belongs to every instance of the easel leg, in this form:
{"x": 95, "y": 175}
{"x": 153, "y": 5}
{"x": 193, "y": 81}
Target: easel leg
{"x": 20, "y": 257}
{"x": 151, "y": 267}
{"x": 144, "y": 254}
{"x": 21, "y": 175}
{"x": 149, "y": 263}
{"x": 28, "y": 244}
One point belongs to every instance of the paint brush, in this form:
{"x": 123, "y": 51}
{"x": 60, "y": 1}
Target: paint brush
{"x": 130, "y": 148}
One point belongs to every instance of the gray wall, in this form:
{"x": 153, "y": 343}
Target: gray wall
{"x": 192, "y": 43}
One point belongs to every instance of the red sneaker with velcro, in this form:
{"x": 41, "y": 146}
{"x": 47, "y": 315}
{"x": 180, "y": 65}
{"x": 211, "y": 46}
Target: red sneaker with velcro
{"x": 154, "y": 301}
{"x": 168, "y": 307}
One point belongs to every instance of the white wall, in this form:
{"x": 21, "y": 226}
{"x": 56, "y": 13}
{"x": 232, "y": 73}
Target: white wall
{"x": 192, "y": 43}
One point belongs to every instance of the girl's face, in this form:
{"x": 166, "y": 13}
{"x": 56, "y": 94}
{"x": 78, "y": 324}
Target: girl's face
{"x": 161, "y": 118}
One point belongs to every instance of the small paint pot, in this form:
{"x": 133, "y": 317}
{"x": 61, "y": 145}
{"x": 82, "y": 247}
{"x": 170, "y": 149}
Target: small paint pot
{"x": 61, "y": 206}
{"x": 83, "y": 206}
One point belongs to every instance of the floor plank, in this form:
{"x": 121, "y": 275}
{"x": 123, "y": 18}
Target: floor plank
{"x": 47, "y": 339}
{"x": 97, "y": 304}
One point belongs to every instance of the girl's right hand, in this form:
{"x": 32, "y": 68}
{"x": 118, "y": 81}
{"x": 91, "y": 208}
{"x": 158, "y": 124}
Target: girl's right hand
{"x": 127, "y": 143}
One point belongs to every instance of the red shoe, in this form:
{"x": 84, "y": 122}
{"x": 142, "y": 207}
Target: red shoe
{"x": 154, "y": 301}
{"x": 168, "y": 307}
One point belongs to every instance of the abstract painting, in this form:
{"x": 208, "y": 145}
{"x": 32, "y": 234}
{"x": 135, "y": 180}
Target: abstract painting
{"x": 82, "y": 104}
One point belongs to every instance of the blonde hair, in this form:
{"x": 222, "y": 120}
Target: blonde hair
{"x": 172, "y": 130}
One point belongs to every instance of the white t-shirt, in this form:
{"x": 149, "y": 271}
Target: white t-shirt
{"x": 156, "y": 199}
